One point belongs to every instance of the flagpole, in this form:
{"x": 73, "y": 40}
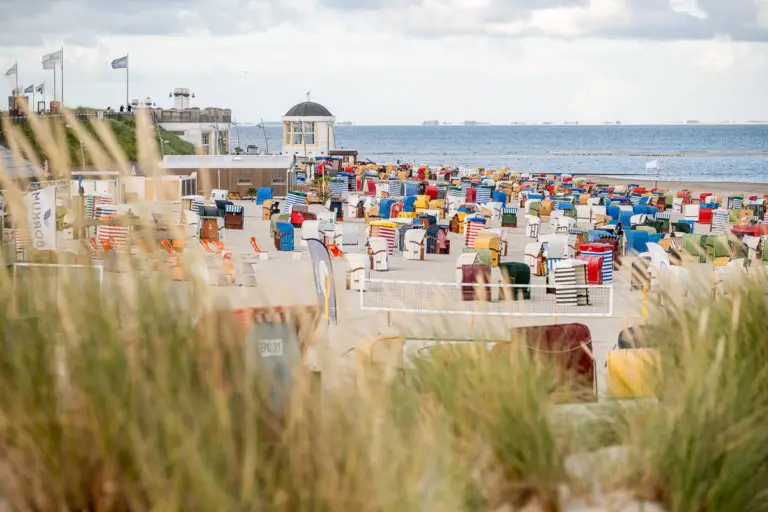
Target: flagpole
{"x": 54, "y": 82}
{"x": 17, "y": 79}
{"x": 127, "y": 86}
{"x": 62, "y": 75}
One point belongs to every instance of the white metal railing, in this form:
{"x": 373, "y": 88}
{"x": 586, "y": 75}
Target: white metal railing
{"x": 541, "y": 300}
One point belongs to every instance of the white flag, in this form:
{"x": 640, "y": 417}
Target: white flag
{"x": 12, "y": 71}
{"x": 41, "y": 209}
{"x": 40, "y": 88}
{"x": 654, "y": 164}
{"x": 121, "y": 63}
{"x": 51, "y": 59}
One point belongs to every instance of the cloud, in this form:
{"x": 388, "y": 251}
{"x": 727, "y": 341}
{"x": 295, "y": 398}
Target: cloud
{"x": 84, "y": 22}
{"x": 666, "y": 20}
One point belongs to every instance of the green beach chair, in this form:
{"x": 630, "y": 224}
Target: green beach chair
{"x": 513, "y": 272}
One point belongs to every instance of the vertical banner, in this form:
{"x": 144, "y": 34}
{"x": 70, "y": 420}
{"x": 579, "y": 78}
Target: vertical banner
{"x": 324, "y": 284}
{"x": 41, "y": 212}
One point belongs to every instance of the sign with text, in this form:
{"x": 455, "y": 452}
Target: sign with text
{"x": 41, "y": 213}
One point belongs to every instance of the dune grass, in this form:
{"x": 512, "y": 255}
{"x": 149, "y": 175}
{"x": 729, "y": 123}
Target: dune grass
{"x": 114, "y": 397}
{"x": 123, "y": 127}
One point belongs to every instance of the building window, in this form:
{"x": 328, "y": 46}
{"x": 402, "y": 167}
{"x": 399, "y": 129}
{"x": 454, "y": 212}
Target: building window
{"x": 309, "y": 133}
{"x": 297, "y": 140}
{"x": 287, "y": 133}
{"x": 205, "y": 142}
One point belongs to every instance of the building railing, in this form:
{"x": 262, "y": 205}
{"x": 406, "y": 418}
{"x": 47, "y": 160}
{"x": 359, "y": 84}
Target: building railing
{"x": 192, "y": 115}
{"x": 83, "y": 116}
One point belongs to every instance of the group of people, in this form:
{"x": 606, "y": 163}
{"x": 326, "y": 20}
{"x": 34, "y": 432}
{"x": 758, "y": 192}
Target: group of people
{"x": 122, "y": 108}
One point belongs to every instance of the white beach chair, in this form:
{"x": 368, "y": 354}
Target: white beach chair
{"x": 564, "y": 224}
{"x": 531, "y": 257}
{"x": 554, "y": 219}
{"x": 414, "y": 244}
{"x": 532, "y": 230}
{"x": 350, "y": 233}
{"x": 356, "y": 267}
{"x": 677, "y": 204}
{"x": 327, "y": 221}
{"x": 310, "y": 229}
{"x": 691, "y": 212}
{"x": 662, "y": 270}
{"x": 638, "y": 220}
{"x": 556, "y": 246}
{"x": 467, "y": 258}
{"x": 379, "y": 251}
{"x": 338, "y": 235}
{"x": 352, "y": 202}
{"x": 583, "y": 213}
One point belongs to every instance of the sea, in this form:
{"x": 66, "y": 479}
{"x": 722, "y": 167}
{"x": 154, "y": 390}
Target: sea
{"x": 724, "y": 152}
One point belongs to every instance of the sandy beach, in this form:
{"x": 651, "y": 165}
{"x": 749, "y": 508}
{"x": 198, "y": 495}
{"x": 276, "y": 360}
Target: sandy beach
{"x": 716, "y": 187}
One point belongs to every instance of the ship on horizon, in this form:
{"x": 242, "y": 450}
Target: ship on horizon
{"x": 432, "y": 122}
{"x": 475, "y": 123}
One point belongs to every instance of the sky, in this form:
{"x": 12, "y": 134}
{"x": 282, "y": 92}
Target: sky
{"x": 406, "y": 61}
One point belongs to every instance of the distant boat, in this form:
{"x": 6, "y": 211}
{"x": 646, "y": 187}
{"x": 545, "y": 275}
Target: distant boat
{"x": 692, "y": 121}
{"x": 757, "y": 122}
{"x": 447, "y": 123}
{"x": 433, "y": 122}
{"x": 345, "y": 123}
{"x": 518, "y": 122}
{"x": 547, "y": 122}
{"x": 571, "y": 123}
{"x": 475, "y": 123}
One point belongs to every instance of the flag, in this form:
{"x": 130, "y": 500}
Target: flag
{"x": 12, "y": 71}
{"x": 324, "y": 283}
{"x": 40, "y": 88}
{"x": 654, "y": 164}
{"x": 41, "y": 209}
{"x": 121, "y": 63}
{"x": 30, "y": 89}
{"x": 50, "y": 59}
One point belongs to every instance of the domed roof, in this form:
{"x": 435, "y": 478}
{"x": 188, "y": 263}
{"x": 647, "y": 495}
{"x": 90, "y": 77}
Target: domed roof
{"x": 309, "y": 109}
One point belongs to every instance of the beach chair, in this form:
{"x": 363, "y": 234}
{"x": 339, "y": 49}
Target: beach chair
{"x": 380, "y": 356}
{"x": 661, "y": 269}
{"x": 356, "y": 267}
{"x": 414, "y": 244}
{"x": 378, "y": 252}
{"x": 633, "y": 373}
{"x": 95, "y": 250}
{"x": 532, "y": 230}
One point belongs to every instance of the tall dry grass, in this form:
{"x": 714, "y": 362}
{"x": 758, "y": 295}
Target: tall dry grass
{"x": 113, "y": 397}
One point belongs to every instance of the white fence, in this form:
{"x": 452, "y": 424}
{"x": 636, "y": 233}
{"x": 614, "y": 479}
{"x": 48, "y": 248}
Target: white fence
{"x": 534, "y": 300}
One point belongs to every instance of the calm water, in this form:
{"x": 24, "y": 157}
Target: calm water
{"x": 702, "y": 153}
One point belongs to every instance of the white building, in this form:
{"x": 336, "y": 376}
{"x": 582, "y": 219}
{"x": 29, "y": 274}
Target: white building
{"x": 308, "y": 131}
{"x": 206, "y": 128}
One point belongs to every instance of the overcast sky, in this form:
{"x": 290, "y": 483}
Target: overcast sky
{"x": 405, "y": 61}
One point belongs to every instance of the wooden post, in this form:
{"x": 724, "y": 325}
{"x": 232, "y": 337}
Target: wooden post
{"x": 389, "y": 319}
